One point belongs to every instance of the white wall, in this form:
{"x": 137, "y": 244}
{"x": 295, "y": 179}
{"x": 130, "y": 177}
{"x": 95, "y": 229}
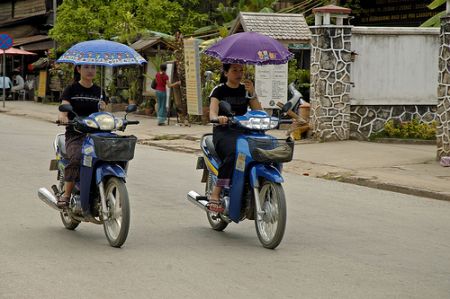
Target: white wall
{"x": 395, "y": 66}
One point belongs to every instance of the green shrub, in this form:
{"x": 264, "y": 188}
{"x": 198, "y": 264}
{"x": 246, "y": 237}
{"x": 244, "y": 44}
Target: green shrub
{"x": 407, "y": 130}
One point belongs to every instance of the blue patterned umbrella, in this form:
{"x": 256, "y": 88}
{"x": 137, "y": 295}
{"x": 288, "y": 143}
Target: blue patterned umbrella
{"x": 101, "y": 52}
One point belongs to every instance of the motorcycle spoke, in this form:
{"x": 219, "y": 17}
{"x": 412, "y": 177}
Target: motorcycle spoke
{"x": 268, "y": 223}
{"x": 115, "y": 212}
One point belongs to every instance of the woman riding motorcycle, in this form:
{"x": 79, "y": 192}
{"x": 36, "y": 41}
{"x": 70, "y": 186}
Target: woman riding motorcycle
{"x": 240, "y": 96}
{"x": 85, "y": 98}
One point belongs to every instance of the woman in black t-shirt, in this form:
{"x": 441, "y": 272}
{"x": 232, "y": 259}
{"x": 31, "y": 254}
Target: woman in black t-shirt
{"x": 86, "y": 98}
{"x": 240, "y": 96}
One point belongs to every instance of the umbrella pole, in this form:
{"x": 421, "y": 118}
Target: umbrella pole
{"x": 4, "y": 76}
{"x": 101, "y": 83}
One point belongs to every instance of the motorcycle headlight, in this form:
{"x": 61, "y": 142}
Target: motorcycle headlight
{"x": 260, "y": 123}
{"x": 90, "y": 123}
{"x": 105, "y": 122}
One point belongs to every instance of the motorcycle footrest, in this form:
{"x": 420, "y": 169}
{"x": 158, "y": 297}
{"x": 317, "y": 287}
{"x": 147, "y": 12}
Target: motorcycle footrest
{"x": 201, "y": 197}
{"x": 53, "y": 165}
{"x": 55, "y": 190}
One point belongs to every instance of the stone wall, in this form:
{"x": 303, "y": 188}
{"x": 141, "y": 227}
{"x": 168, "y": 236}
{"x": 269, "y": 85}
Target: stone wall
{"x": 366, "y": 120}
{"x": 443, "y": 107}
{"x": 330, "y": 82}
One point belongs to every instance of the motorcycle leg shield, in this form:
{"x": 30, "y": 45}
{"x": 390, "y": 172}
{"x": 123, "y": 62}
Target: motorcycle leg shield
{"x": 268, "y": 172}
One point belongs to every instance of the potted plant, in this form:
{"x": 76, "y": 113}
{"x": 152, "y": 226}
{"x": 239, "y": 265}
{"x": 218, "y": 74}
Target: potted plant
{"x": 131, "y": 76}
{"x": 111, "y": 90}
{"x": 148, "y": 105}
{"x": 132, "y": 91}
{"x": 210, "y": 80}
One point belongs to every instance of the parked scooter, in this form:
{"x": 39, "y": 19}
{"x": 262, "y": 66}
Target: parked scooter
{"x": 292, "y": 104}
{"x": 256, "y": 192}
{"x": 100, "y": 196}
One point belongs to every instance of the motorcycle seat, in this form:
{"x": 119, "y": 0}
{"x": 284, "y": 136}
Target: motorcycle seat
{"x": 208, "y": 139}
{"x": 61, "y": 142}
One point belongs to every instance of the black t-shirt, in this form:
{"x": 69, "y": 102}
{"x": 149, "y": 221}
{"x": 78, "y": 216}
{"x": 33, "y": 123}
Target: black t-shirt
{"x": 234, "y": 96}
{"x": 83, "y": 100}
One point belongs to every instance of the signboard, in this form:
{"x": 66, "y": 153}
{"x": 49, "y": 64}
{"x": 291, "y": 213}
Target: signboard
{"x": 42, "y": 83}
{"x": 169, "y": 73}
{"x": 388, "y": 12}
{"x": 271, "y": 83}
{"x": 6, "y": 41}
{"x": 192, "y": 71}
{"x": 299, "y": 46}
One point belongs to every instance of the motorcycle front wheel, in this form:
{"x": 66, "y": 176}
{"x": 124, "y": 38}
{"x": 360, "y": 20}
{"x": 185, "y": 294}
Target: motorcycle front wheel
{"x": 118, "y": 222}
{"x": 214, "y": 219}
{"x": 271, "y": 223}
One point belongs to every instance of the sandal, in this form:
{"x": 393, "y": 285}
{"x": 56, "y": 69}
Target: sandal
{"x": 215, "y": 206}
{"x": 63, "y": 202}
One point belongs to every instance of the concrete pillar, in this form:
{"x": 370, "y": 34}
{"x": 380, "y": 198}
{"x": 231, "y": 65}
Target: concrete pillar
{"x": 330, "y": 77}
{"x": 443, "y": 106}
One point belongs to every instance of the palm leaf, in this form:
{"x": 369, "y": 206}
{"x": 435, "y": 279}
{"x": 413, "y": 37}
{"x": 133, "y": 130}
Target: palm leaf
{"x": 434, "y": 21}
{"x": 436, "y": 3}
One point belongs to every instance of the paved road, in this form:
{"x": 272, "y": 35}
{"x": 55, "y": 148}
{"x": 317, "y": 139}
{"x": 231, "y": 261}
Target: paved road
{"x": 342, "y": 241}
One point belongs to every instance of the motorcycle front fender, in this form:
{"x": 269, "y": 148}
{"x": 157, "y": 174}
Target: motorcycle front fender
{"x": 109, "y": 170}
{"x": 268, "y": 172}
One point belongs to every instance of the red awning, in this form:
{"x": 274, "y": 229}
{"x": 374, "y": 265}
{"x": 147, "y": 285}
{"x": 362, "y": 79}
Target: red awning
{"x": 15, "y": 51}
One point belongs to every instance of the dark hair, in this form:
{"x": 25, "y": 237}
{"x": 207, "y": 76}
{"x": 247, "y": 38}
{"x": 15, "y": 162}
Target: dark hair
{"x": 225, "y": 68}
{"x": 76, "y": 74}
{"x": 163, "y": 67}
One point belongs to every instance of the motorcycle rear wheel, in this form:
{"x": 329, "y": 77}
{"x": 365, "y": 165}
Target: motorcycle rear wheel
{"x": 68, "y": 222}
{"x": 271, "y": 225}
{"x": 118, "y": 223}
{"x": 214, "y": 219}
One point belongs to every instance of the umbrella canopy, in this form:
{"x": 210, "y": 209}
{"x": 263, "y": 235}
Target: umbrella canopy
{"x": 250, "y": 48}
{"x": 15, "y": 51}
{"x": 101, "y": 52}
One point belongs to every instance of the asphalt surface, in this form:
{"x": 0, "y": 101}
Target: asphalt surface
{"x": 341, "y": 241}
{"x": 409, "y": 168}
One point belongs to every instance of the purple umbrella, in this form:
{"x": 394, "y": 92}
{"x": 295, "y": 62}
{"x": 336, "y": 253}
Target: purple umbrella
{"x": 249, "y": 48}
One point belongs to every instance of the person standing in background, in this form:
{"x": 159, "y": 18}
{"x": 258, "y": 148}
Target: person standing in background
{"x": 18, "y": 84}
{"x": 7, "y": 85}
{"x": 162, "y": 81}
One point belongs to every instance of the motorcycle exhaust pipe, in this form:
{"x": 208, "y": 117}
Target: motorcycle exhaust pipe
{"x": 197, "y": 199}
{"x": 48, "y": 198}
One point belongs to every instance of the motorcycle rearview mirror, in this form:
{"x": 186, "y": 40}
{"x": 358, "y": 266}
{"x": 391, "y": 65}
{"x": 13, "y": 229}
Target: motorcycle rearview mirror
{"x": 65, "y": 108}
{"x": 226, "y": 108}
{"x": 286, "y": 107}
{"x": 131, "y": 108}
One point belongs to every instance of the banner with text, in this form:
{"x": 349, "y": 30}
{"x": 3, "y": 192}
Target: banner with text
{"x": 271, "y": 84}
{"x": 192, "y": 71}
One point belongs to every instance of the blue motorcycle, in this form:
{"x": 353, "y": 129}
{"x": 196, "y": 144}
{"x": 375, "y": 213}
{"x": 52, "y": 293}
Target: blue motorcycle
{"x": 100, "y": 196}
{"x": 256, "y": 192}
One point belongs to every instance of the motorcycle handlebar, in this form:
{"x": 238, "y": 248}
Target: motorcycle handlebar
{"x": 231, "y": 121}
{"x": 132, "y": 122}
{"x": 59, "y": 123}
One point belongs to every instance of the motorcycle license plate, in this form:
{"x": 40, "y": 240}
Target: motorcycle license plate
{"x": 54, "y": 164}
